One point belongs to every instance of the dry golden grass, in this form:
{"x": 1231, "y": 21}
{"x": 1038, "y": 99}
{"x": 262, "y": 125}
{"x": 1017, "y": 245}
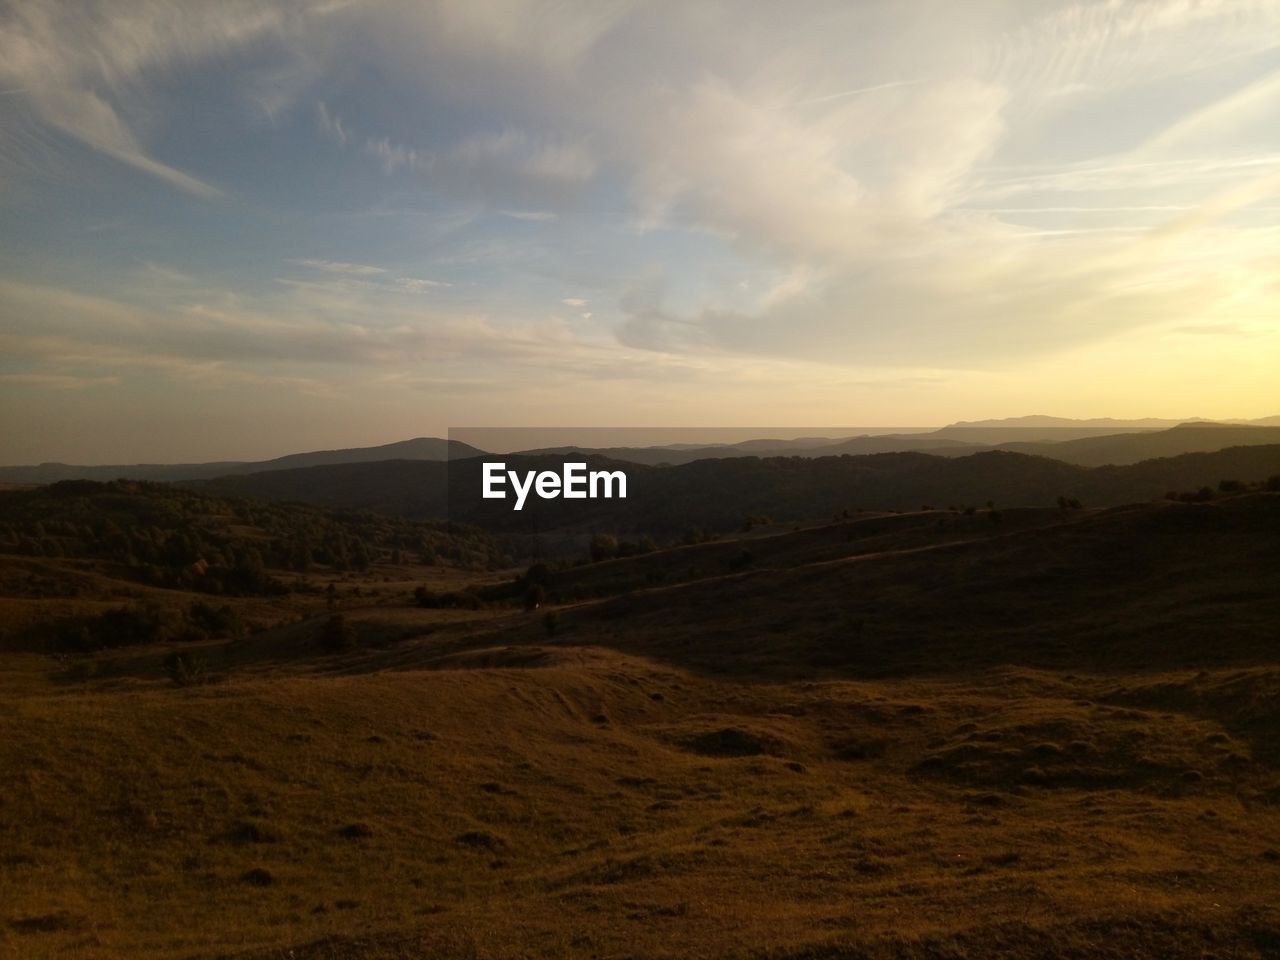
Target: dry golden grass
{"x": 689, "y": 770}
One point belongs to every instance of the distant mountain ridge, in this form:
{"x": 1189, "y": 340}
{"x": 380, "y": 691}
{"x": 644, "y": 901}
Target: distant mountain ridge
{"x": 1128, "y": 448}
{"x": 1080, "y": 446}
{"x": 1084, "y": 442}
{"x": 1045, "y": 429}
{"x": 419, "y": 448}
{"x": 1108, "y": 423}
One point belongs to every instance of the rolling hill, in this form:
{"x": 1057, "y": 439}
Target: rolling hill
{"x": 903, "y": 737}
{"x": 717, "y": 494}
{"x": 422, "y": 448}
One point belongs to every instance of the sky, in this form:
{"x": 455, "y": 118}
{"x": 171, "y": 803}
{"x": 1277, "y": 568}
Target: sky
{"x": 242, "y": 229}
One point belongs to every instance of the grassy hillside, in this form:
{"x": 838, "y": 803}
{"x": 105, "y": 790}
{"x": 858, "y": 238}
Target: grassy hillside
{"x": 1054, "y": 735}
{"x": 85, "y": 565}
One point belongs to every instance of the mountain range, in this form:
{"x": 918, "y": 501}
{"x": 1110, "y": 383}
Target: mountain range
{"x": 1082, "y": 442}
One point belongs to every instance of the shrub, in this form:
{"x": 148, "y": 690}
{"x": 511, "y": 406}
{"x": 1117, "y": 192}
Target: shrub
{"x": 121, "y": 627}
{"x": 216, "y": 622}
{"x": 537, "y": 573}
{"x": 1202, "y": 495}
{"x": 466, "y": 599}
{"x": 183, "y": 669}
{"x": 337, "y": 635}
{"x": 627, "y": 548}
{"x": 603, "y": 547}
{"x": 462, "y": 600}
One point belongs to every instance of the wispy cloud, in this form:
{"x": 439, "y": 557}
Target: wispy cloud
{"x": 538, "y": 216}
{"x": 504, "y": 166}
{"x": 858, "y": 91}
{"x": 330, "y": 125}
{"x": 418, "y": 284}
{"x": 58, "y": 381}
{"x": 88, "y": 69}
{"x": 341, "y": 267}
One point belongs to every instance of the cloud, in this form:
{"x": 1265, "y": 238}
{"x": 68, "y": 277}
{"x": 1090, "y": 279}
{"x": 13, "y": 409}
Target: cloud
{"x": 1106, "y": 48}
{"x": 58, "y": 381}
{"x": 858, "y": 91}
{"x": 419, "y": 285}
{"x": 330, "y": 125}
{"x": 1217, "y": 125}
{"x": 344, "y": 277}
{"x": 538, "y": 216}
{"x": 1213, "y": 330}
{"x": 949, "y": 189}
{"x": 498, "y": 167}
{"x": 214, "y": 334}
{"x": 341, "y": 267}
{"x": 92, "y": 70}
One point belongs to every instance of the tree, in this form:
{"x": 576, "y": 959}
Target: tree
{"x": 603, "y": 547}
{"x": 337, "y": 635}
{"x": 183, "y": 669}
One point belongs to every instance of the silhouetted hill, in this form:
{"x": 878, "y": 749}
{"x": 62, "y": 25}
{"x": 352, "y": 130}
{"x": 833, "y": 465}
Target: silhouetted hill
{"x": 1042, "y": 429}
{"x": 1086, "y": 443}
{"x": 804, "y": 447}
{"x": 718, "y": 494}
{"x": 1128, "y": 448}
{"x": 421, "y": 448}
{"x": 410, "y": 488}
{"x": 898, "y": 443}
